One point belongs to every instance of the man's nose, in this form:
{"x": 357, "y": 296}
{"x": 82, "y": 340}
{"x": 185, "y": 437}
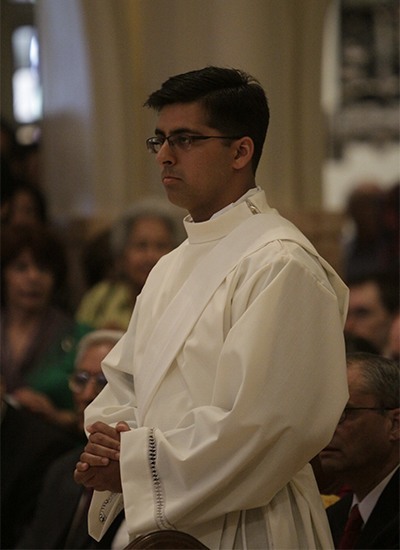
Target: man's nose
{"x": 166, "y": 154}
{"x": 34, "y": 272}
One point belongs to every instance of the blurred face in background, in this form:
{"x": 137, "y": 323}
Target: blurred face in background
{"x": 88, "y": 379}
{"x": 23, "y": 209}
{"x": 393, "y": 349}
{"x": 26, "y": 206}
{"x": 367, "y": 316}
{"x": 150, "y": 238}
{"x": 363, "y": 441}
{"x": 28, "y": 285}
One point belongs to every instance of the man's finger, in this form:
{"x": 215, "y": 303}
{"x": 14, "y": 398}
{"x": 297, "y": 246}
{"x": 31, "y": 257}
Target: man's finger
{"x": 94, "y": 459}
{"x": 105, "y": 440}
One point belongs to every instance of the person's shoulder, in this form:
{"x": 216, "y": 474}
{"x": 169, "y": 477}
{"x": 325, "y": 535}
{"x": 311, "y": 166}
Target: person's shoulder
{"x": 59, "y": 318}
{"x": 167, "y": 261}
{"x": 391, "y": 492}
{"x": 81, "y": 328}
{"x": 32, "y": 428}
{"x": 67, "y": 460}
{"x": 104, "y": 290}
{"x": 98, "y": 291}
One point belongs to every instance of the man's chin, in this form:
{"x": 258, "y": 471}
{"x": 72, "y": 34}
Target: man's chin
{"x": 330, "y": 460}
{"x": 329, "y": 450}
{"x": 329, "y": 453}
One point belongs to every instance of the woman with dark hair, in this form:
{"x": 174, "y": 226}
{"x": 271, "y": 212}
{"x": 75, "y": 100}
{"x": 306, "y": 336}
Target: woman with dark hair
{"x": 38, "y": 339}
{"x": 23, "y": 204}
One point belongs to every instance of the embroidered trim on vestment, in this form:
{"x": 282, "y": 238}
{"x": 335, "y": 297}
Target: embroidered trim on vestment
{"x": 161, "y": 520}
{"x": 102, "y": 513}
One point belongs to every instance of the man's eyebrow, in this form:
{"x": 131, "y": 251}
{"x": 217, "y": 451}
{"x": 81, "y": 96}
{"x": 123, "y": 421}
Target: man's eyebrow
{"x": 183, "y": 130}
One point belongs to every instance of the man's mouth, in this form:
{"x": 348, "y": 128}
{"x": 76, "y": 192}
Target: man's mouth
{"x": 169, "y": 178}
{"x": 32, "y": 294}
{"x": 329, "y": 450}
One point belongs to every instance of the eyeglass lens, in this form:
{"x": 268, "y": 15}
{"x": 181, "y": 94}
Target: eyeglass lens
{"x": 79, "y": 380}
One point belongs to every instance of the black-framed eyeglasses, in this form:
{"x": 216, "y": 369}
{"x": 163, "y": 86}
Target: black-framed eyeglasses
{"x": 182, "y": 141}
{"x": 79, "y": 380}
{"x": 349, "y": 410}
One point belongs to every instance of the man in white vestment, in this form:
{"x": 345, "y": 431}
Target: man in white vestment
{"x": 232, "y": 373}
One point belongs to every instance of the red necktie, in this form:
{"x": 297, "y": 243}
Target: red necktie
{"x": 352, "y": 529}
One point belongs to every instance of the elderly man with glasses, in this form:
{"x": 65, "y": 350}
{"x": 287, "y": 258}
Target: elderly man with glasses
{"x": 60, "y": 520}
{"x": 364, "y": 455}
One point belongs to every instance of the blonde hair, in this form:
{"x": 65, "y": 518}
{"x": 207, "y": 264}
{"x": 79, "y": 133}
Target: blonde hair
{"x": 94, "y": 338}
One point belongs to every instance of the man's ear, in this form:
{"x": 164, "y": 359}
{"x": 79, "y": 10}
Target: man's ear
{"x": 243, "y": 152}
{"x": 395, "y": 428}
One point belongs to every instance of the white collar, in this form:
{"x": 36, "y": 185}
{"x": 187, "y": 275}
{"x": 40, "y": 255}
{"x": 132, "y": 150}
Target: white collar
{"x": 248, "y": 194}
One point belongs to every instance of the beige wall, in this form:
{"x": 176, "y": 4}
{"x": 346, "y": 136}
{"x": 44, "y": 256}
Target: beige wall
{"x": 106, "y": 57}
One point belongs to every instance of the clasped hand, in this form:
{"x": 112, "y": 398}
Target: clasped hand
{"x": 99, "y": 466}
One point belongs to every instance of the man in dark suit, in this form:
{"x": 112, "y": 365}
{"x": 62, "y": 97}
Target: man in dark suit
{"x": 28, "y": 446}
{"x": 364, "y": 455}
{"x": 60, "y": 519}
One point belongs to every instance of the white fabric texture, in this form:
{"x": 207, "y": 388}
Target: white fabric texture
{"x": 254, "y": 392}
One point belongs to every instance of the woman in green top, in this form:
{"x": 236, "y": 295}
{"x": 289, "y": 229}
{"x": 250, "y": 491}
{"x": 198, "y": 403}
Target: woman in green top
{"x": 38, "y": 339}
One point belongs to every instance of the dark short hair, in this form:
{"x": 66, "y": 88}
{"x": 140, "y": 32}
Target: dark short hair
{"x": 38, "y": 199}
{"x": 381, "y": 376}
{"x": 388, "y": 287}
{"x": 234, "y": 101}
{"x": 46, "y": 247}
